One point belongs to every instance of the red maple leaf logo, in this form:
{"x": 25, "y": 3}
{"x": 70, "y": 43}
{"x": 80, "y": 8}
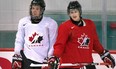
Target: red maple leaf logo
{"x": 32, "y": 37}
{"x": 80, "y": 40}
{"x": 83, "y": 40}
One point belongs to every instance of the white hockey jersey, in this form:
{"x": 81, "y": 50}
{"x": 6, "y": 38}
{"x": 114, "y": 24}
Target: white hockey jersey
{"x": 36, "y": 39}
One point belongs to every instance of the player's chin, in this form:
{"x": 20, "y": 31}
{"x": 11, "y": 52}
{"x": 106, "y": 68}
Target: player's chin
{"x": 75, "y": 19}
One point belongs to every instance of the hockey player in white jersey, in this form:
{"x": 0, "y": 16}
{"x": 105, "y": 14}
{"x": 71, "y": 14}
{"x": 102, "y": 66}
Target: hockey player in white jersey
{"x": 35, "y": 37}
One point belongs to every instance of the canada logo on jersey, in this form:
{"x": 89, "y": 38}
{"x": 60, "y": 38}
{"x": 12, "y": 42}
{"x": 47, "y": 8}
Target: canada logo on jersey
{"x": 35, "y": 38}
{"x": 83, "y": 40}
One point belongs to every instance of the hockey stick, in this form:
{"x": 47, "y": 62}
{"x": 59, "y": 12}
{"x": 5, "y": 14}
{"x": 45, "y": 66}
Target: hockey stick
{"x": 69, "y": 64}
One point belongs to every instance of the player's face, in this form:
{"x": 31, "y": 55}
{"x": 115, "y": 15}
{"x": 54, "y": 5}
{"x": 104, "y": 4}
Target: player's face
{"x": 74, "y": 14}
{"x": 36, "y": 10}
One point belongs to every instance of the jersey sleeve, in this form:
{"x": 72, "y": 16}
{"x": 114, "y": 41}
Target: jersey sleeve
{"x": 96, "y": 43}
{"x": 61, "y": 40}
{"x": 19, "y": 41}
{"x": 52, "y": 35}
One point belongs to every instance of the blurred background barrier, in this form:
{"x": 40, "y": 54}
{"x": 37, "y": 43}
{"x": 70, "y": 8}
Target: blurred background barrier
{"x": 7, "y": 53}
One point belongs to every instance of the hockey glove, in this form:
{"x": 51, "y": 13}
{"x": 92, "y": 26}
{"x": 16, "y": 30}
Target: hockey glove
{"x": 53, "y": 62}
{"x": 108, "y": 58}
{"x": 17, "y": 62}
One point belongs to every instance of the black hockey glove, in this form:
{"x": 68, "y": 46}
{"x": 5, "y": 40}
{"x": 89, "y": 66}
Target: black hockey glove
{"x": 53, "y": 62}
{"x": 16, "y": 62}
{"x": 108, "y": 58}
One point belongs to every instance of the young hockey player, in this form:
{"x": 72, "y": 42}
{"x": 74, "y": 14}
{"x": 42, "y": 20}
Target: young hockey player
{"x": 76, "y": 39}
{"x": 35, "y": 37}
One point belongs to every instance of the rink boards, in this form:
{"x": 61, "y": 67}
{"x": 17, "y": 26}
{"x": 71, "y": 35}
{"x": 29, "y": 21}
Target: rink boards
{"x": 6, "y": 58}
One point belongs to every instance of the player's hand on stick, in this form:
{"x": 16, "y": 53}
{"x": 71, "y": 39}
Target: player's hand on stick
{"x": 17, "y": 62}
{"x": 45, "y": 62}
{"x": 53, "y": 62}
{"x": 108, "y": 58}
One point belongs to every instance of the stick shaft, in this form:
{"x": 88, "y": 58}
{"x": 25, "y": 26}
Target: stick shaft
{"x": 69, "y": 64}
